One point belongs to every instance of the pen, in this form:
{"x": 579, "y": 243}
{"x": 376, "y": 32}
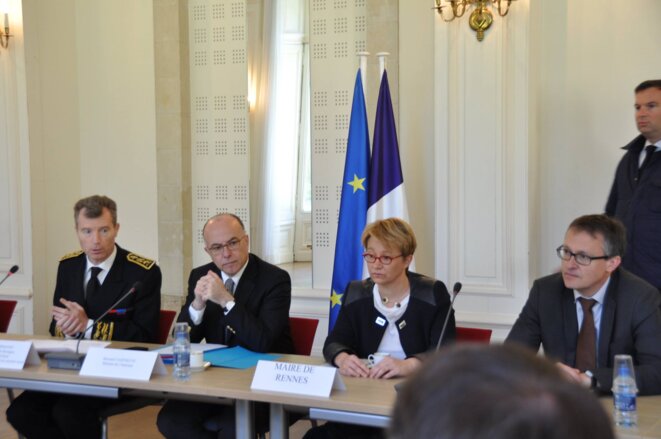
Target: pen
{"x": 228, "y": 333}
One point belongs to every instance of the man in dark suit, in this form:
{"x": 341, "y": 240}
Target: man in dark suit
{"x": 238, "y": 300}
{"x": 89, "y": 281}
{"x": 635, "y": 197}
{"x": 617, "y": 312}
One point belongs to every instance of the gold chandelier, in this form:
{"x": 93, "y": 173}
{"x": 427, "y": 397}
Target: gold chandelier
{"x": 480, "y": 19}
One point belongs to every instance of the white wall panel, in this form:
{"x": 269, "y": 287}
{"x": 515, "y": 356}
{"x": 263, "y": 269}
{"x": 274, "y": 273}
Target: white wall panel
{"x": 481, "y": 156}
{"x": 219, "y": 114}
{"x": 337, "y": 34}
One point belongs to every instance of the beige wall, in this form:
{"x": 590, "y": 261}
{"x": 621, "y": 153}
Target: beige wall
{"x": 115, "y": 89}
{"x": 416, "y": 124}
{"x": 54, "y": 144}
{"x": 173, "y": 141}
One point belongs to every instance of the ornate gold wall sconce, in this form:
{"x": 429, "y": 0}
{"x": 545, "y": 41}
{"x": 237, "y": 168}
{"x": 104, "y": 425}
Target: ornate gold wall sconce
{"x": 480, "y": 19}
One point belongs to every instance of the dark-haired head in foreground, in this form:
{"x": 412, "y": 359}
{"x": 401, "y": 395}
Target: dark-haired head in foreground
{"x": 497, "y": 391}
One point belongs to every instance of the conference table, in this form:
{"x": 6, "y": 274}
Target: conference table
{"x": 364, "y": 402}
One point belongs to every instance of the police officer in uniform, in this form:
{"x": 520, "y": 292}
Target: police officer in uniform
{"x": 89, "y": 282}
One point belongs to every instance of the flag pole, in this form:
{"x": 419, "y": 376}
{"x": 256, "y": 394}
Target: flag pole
{"x": 362, "y": 64}
{"x": 383, "y": 58}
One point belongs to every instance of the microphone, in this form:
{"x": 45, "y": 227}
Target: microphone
{"x": 74, "y": 360}
{"x": 455, "y": 293}
{"x": 11, "y": 271}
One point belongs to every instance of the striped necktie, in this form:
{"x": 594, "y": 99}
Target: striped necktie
{"x": 229, "y": 285}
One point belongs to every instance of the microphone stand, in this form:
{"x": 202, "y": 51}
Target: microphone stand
{"x": 74, "y": 360}
{"x": 455, "y": 293}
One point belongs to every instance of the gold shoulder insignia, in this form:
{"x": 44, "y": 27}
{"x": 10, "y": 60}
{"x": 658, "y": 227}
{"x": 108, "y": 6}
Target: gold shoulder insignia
{"x": 103, "y": 331}
{"x": 140, "y": 260}
{"x": 58, "y": 332}
{"x": 71, "y": 255}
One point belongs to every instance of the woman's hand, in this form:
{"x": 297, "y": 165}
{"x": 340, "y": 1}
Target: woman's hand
{"x": 351, "y": 366}
{"x": 390, "y": 367}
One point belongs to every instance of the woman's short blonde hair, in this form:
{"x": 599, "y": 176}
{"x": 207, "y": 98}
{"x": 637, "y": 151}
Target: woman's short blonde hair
{"x": 392, "y": 232}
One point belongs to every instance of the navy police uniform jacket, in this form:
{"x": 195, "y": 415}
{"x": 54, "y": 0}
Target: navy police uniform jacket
{"x": 636, "y": 201}
{"x": 136, "y": 317}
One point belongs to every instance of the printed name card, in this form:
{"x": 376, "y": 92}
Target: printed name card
{"x": 16, "y": 354}
{"x": 122, "y": 364}
{"x": 300, "y": 379}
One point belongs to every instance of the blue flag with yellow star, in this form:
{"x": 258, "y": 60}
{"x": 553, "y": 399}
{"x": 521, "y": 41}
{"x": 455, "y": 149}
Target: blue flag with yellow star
{"x": 348, "y": 263}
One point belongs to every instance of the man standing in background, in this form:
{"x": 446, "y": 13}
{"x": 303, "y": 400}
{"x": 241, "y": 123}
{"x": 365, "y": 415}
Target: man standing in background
{"x": 635, "y": 198}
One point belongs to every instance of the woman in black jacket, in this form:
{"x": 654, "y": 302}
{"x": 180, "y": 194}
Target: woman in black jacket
{"x": 394, "y": 312}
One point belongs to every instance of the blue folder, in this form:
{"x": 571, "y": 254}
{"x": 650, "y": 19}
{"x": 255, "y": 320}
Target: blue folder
{"x": 236, "y": 357}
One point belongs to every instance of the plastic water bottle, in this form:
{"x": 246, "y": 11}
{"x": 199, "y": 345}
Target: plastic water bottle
{"x": 181, "y": 351}
{"x": 624, "y": 392}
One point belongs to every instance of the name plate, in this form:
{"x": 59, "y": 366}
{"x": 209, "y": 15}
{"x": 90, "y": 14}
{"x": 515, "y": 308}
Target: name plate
{"x": 16, "y": 354}
{"x": 299, "y": 379}
{"x": 122, "y": 364}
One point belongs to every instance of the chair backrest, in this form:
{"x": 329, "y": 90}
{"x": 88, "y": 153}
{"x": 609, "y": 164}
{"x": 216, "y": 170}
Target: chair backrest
{"x": 6, "y": 311}
{"x": 473, "y": 335}
{"x": 302, "y": 333}
{"x": 164, "y": 324}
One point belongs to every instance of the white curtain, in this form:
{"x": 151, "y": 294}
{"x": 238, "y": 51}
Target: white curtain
{"x": 275, "y": 122}
{"x": 262, "y": 70}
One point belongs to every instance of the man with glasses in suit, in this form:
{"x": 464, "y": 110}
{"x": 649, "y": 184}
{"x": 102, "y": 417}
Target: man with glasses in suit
{"x": 594, "y": 309}
{"x": 236, "y": 300}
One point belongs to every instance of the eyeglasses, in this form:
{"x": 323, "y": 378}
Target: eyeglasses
{"x": 581, "y": 259}
{"x": 385, "y": 260}
{"x": 232, "y": 245}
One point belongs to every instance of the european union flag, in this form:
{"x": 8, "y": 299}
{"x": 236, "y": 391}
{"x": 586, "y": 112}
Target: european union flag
{"x": 348, "y": 263}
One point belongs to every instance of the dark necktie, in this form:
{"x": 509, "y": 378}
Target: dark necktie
{"x": 586, "y": 347}
{"x": 649, "y": 152}
{"x": 229, "y": 285}
{"x": 93, "y": 285}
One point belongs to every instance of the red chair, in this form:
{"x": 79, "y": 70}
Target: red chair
{"x": 6, "y": 311}
{"x": 303, "y": 332}
{"x": 473, "y": 335}
{"x": 164, "y": 324}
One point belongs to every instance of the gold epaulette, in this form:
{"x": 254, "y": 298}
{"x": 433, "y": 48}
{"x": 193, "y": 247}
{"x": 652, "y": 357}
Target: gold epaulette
{"x": 71, "y": 255}
{"x": 58, "y": 332}
{"x": 103, "y": 331}
{"x": 140, "y": 260}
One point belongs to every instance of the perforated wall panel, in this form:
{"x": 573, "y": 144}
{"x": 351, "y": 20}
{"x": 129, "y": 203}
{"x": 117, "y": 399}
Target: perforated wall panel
{"x": 219, "y": 113}
{"x": 337, "y": 34}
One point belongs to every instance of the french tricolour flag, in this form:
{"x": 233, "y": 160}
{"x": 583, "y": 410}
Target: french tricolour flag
{"x": 386, "y": 196}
